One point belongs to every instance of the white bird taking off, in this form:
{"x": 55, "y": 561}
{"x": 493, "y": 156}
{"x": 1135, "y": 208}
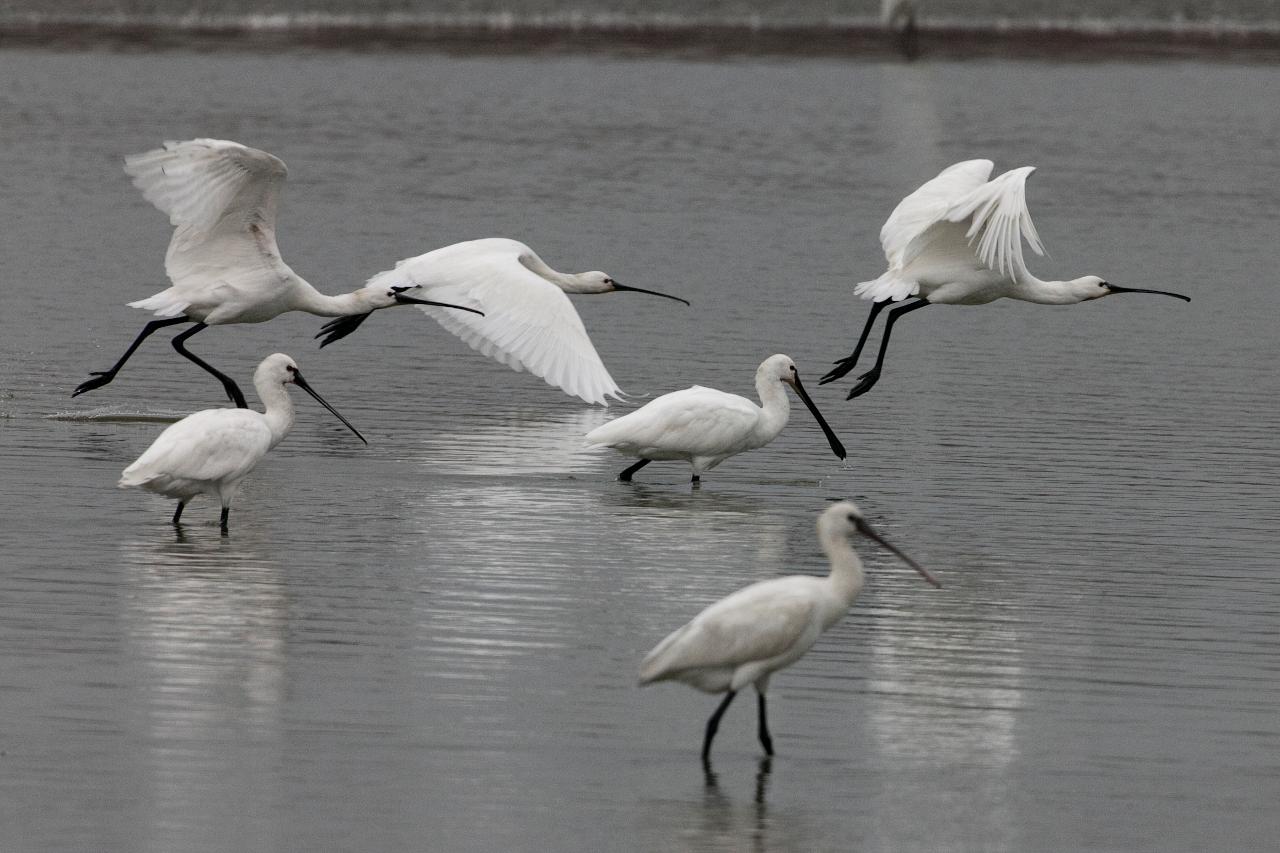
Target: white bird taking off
{"x": 221, "y": 198}
{"x": 211, "y": 451}
{"x": 528, "y": 322}
{"x": 958, "y": 241}
{"x": 746, "y": 637}
{"x": 704, "y": 427}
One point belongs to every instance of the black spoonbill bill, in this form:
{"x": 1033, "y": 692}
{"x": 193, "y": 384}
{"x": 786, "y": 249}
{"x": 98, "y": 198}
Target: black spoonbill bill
{"x": 221, "y": 198}
{"x": 211, "y": 451}
{"x": 528, "y": 322}
{"x": 746, "y": 637}
{"x": 958, "y": 241}
{"x": 704, "y": 427}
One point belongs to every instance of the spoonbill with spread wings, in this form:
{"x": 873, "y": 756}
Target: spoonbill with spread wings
{"x": 958, "y": 241}
{"x": 528, "y": 322}
{"x": 221, "y": 198}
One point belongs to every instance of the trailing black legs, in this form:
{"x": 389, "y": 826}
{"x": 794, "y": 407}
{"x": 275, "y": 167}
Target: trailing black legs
{"x": 102, "y": 377}
{"x": 233, "y": 390}
{"x": 847, "y": 363}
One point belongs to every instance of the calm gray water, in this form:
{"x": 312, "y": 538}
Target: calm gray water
{"x": 431, "y": 643}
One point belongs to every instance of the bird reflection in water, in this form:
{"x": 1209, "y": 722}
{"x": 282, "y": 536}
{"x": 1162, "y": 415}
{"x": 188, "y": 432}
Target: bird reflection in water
{"x": 718, "y": 809}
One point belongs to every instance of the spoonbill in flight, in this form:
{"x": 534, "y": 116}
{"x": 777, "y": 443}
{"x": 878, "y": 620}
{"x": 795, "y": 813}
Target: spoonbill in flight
{"x": 704, "y": 426}
{"x": 211, "y": 451}
{"x": 528, "y": 322}
{"x": 221, "y": 198}
{"x": 958, "y": 241}
{"x": 746, "y": 637}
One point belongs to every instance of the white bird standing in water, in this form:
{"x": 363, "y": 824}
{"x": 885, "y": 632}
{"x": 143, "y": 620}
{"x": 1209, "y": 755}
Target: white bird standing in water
{"x": 704, "y": 427}
{"x": 210, "y": 452}
{"x": 221, "y": 198}
{"x": 958, "y": 241}
{"x": 528, "y": 322}
{"x": 746, "y": 637}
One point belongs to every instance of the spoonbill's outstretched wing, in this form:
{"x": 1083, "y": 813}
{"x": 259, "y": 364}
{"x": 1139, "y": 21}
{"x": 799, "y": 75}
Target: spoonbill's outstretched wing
{"x": 221, "y": 199}
{"x": 905, "y": 234}
{"x": 956, "y": 222}
{"x": 997, "y": 218}
{"x": 528, "y": 323}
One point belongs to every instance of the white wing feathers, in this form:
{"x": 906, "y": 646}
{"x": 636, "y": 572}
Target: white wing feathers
{"x": 919, "y": 235}
{"x": 221, "y": 199}
{"x": 998, "y": 221}
{"x": 529, "y": 323}
{"x": 754, "y": 624}
{"x": 929, "y": 204}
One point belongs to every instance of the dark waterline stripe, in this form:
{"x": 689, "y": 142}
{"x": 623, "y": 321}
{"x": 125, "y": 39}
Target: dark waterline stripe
{"x": 1083, "y": 39}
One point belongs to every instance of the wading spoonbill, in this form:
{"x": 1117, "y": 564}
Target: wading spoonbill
{"x": 704, "y": 427}
{"x": 528, "y": 323}
{"x": 958, "y": 241}
{"x": 746, "y": 637}
{"x": 221, "y": 198}
{"x": 211, "y": 451}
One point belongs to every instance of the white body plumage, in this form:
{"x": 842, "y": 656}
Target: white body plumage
{"x": 528, "y": 323}
{"x": 747, "y": 636}
{"x": 704, "y": 427}
{"x": 210, "y": 452}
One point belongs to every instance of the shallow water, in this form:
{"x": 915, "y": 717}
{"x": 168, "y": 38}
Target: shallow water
{"x": 431, "y": 642}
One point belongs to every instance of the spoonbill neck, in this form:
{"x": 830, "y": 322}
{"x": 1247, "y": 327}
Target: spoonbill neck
{"x": 846, "y": 577}
{"x": 362, "y": 301}
{"x": 775, "y": 407}
{"x": 1028, "y": 288}
{"x": 277, "y": 405}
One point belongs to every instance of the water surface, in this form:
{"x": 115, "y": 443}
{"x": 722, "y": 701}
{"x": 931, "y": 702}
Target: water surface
{"x": 431, "y": 642}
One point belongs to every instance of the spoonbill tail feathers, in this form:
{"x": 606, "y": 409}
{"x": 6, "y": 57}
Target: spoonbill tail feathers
{"x": 747, "y": 636}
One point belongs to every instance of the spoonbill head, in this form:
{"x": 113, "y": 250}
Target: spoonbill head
{"x": 223, "y": 261}
{"x": 528, "y": 322}
{"x": 747, "y": 636}
{"x": 211, "y": 451}
{"x": 957, "y": 240}
{"x": 704, "y": 427}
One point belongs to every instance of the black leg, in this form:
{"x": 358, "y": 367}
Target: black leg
{"x": 102, "y": 377}
{"x": 868, "y": 379}
{"x": 763, "y": 731}
{"x": 177, "y": 513}
{"x": 713, "y": 724}
{"x": 226, "y": 513}
{"x": 846, "y": 364}
{"x": 696, "y": 479}
{"x": 233, "y": 390}
{"x": 625, "y": 476}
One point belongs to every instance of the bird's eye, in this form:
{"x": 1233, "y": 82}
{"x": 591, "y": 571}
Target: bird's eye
{"x": 291, "y": 368}
{"x": 1103, "y": 284}
{"x": 608, "y": 281}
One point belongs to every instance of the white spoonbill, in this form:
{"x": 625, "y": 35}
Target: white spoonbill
{"x": 528, "y": 322}
{"x": 746, "y": 637}
{"x": 211, "y": 451}
{"x": 221, "y": 198}
{"x": 958, "y": 241}
{"x": 704, "y": 426}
